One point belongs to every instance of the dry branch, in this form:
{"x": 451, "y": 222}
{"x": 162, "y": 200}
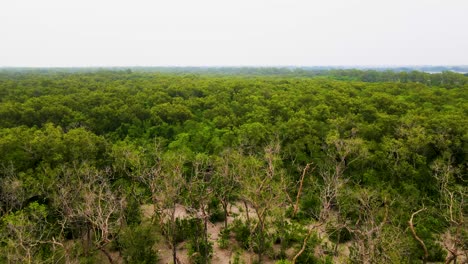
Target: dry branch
{"x": 413, "y": 232}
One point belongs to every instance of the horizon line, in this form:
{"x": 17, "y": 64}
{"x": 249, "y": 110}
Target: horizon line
{"x": 242, "y": 66}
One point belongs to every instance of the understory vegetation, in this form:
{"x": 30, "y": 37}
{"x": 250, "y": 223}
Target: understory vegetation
{"x": 345, "y": 167}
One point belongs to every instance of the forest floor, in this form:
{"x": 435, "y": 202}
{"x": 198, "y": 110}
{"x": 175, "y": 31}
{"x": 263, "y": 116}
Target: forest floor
{"x": 221, "y": 256}
{"x": 227, "y": 256}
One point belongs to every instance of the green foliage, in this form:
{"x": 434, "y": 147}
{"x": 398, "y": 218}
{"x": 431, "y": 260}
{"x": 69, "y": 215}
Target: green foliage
{"x": 132, "y": 212}
{"x": 310, "y": 206}
{"x": 191, "y": 231}
{"x": 22, "y": 233}
{"x": 184, "y": 228}
{"x": 242, "y": 233}
{"x": 338, "y": 234}
{"x": 392, "y": 135}
{"x": 428, "y": 229}
{"x": 250, "y": 238}
{"x": 216, "y": 212}
{"x": 200, "y": 251}
{"x": 237, "y": 258}
{"x": 223, "y": 240}
{"x": 289, "y": 233}
{"x": 308, "y": 255}
{"x": 136, "y": 243}
{"x": 283, "y": 261}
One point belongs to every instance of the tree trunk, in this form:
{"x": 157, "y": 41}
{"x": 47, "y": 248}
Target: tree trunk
{"x": 205, "y": 232}
{"x": 261, "y": 246}
{"x": 173, "y": 235}
{"x": 109, "y": 257}
{"x": 87, "y": 241}
{"x": 451, "y": 257}
{"x": 335, "y": 250}
{"x": 174, "y": 253}
{"x": 299, "y": 191}
{"x": 225, "y": 205}
{"x": 247, "y": 213}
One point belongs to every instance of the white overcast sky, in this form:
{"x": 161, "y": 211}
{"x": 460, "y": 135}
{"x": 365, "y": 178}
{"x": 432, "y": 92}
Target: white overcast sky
{"x": 66, "y": 33}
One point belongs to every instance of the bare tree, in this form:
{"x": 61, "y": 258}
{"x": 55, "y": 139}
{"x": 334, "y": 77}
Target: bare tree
{"x": 341, "y": 153}
{"x": 453, "y": 208}
{"x": 262, "y": 189}
{"x": 368, "y": 228}
{"x": 200, "y": 192}
{"x": 12, "y": 193}
{"x": 87, "y": 200}
{"x": 165, "y": 180}
{"x": 226, "y": 181}
{"x": 23, "y": 233}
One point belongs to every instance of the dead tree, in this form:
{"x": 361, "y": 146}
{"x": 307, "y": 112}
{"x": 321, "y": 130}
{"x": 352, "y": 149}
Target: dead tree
{"x": 87, "y": 200}
{"x": 12, "y": 192}
{"x": 262, "y": 190}
{"x": 226, "y": 180}
{"x": 341, "y": 154}
{"x": 200, "y": 191}
{"x": 165, "y": 180}
{"x": 452, "y": 207}
{"x": 368, "y": 237}
{"x": 23, "y": 233}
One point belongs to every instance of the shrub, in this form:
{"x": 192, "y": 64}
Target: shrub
{"x": 136, "y": 245}
{"x": 216, "y": 211}
{"x": 242, "y": 233}
{"x": 132, "y": 212}
{"x": 223, "y": 240}
{"x": 289, "y": 233}
{"x": 310, "y": 207}
{"x": 338, "y": 234}
{"x": 237, "y": 258}
{"x": 308, "y": 255}
{"x": 199, "y": 250}
{"x": 184, "y": 228}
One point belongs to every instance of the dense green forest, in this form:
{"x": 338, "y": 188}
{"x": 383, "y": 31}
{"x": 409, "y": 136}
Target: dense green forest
{"x": 336, "y": 166}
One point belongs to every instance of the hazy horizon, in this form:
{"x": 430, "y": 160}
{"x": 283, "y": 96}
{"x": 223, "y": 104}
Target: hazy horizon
{"x": 245, "y": 66}
{"x": 214, "y": 33}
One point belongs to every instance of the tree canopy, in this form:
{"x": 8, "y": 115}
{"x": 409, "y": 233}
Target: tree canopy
{"x": 81, "y": 153}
